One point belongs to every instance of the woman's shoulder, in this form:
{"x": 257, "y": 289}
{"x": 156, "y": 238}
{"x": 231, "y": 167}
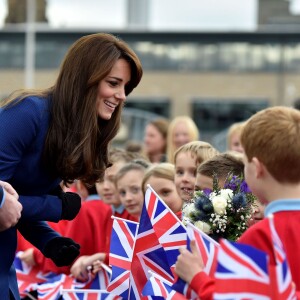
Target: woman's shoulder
{"x": 29, "y": 104}
{"x": 31, "y": 112}
{"x": 35, "y": 102}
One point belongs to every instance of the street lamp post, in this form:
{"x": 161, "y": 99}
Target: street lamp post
{"x": 30, "y": 43}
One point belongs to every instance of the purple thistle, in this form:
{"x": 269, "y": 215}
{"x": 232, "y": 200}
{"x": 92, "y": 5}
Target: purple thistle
{"x": 207, "y": 192}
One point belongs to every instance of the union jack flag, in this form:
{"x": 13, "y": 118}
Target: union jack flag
{"x": 50, "y": 290}
{"x": 169, "y": 229}
{"x": 160, "y": 289}
{"x": 120, "y": 257}
{"x": 208, "y": 248}
{"x": 28, "y": 277}
{"x": 148, "y": 255}
{"x": 285, "y": 286}
{"x": 242, "y": 273}
{"x": 69, "y": 294}
{"x": 100, "y": 281}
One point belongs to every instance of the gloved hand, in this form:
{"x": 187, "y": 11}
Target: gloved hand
{"x": 71, "y": 203}
{"x": 62, "y": 251}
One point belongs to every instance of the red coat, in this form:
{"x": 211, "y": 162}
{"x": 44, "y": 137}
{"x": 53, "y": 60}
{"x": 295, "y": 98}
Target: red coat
{"x": 287, "y": 224}
{"x": 92, "y": 227}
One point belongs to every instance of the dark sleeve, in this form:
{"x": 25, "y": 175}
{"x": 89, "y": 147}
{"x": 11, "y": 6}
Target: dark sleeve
{"x": 40, "y": 208}
{"x": 2, "y": 196}
{"x": 37, "y": 233}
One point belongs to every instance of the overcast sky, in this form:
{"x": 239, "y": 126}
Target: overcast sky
{"x": 163, "y": 14}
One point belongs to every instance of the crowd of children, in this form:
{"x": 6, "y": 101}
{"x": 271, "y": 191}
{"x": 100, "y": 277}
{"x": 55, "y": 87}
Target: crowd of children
{"x": 266, "y": 155}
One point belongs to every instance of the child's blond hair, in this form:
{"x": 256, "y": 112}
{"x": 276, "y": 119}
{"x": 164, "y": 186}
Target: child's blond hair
{"x": 193, "y": 134}
{"x": 161, "y": 170}
{"x": 134, "y": 165}
{"x": 235, "y": 128}
{"x": 199, "y": 150}
{"x": 273, "y": 137}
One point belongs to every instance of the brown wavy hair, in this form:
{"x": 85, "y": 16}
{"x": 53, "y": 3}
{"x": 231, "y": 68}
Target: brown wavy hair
{"x": 77, "y": 141}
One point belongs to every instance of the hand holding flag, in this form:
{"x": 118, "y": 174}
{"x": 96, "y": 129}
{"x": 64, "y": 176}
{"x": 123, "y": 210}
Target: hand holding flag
{"x": 189, "y": 263}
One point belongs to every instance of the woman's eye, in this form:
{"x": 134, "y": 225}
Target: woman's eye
{"x": 113, "y": 83}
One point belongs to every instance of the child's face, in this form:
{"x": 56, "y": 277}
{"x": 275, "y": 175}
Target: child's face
{"x": 185, "y": 175}
{"x": 130, "y": 192}
{"x": 166, "y": 189}
{"x": 235, "y": 143}
{"x": 258, "y": 212}
{"x": 154, "y": 141}
{"x": 106, "y": 188}
{"x": 203, "y": 182}
{"x": 181, "y": 135}
{"x": 206, "y": 182}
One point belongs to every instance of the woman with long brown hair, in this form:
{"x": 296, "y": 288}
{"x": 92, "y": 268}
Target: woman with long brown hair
{"x": 58, "y": 135}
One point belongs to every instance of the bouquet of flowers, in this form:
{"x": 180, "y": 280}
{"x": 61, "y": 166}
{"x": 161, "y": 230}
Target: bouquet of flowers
{"x": 221, "y": 212}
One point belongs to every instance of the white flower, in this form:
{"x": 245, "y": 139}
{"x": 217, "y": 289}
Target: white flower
{"x": 212, "y": 195}
{"x": 187, "y": 209}
{"x": 185, "y": 221}
{"x": 219, "y": 204}
{"x": 202, "y": 226}
{"x": 227, "y": 194}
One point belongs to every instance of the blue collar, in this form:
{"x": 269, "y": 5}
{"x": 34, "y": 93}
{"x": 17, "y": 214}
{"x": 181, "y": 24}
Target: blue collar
{"x": 92, "y": 197}
{"x": 118, "y": 209}
{"x": 282, "y": 205}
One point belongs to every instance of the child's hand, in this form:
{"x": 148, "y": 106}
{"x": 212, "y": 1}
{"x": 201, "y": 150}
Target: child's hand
{"x": 79, "y": 269}
{"x": 28, "y": 257}
{"x": 96, "y": 266}
{"x": 189, "y": 263}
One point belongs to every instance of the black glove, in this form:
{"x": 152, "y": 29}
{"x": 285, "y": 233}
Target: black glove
{"x": 71, "y": 203}
{"x": 62, "y": 251}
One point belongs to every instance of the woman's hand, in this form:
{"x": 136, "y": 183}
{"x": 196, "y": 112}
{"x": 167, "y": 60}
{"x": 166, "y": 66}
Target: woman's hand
{"x": 188, "y": 263}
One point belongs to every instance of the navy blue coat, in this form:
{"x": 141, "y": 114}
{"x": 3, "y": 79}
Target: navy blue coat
{"x": 23, "y": 129}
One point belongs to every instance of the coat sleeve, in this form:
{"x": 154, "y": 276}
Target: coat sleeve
{"x": 37, "y": 233}
{"x": 203, "y": 285}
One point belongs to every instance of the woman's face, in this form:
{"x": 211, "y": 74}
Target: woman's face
{"x": 111, "y": 90}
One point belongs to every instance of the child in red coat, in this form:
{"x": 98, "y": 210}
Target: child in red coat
{"x": 271, "y": 141}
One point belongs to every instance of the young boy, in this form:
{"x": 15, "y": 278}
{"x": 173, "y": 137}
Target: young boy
{"x": 221, "y": 165}
{"x": 271, "y": 141}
